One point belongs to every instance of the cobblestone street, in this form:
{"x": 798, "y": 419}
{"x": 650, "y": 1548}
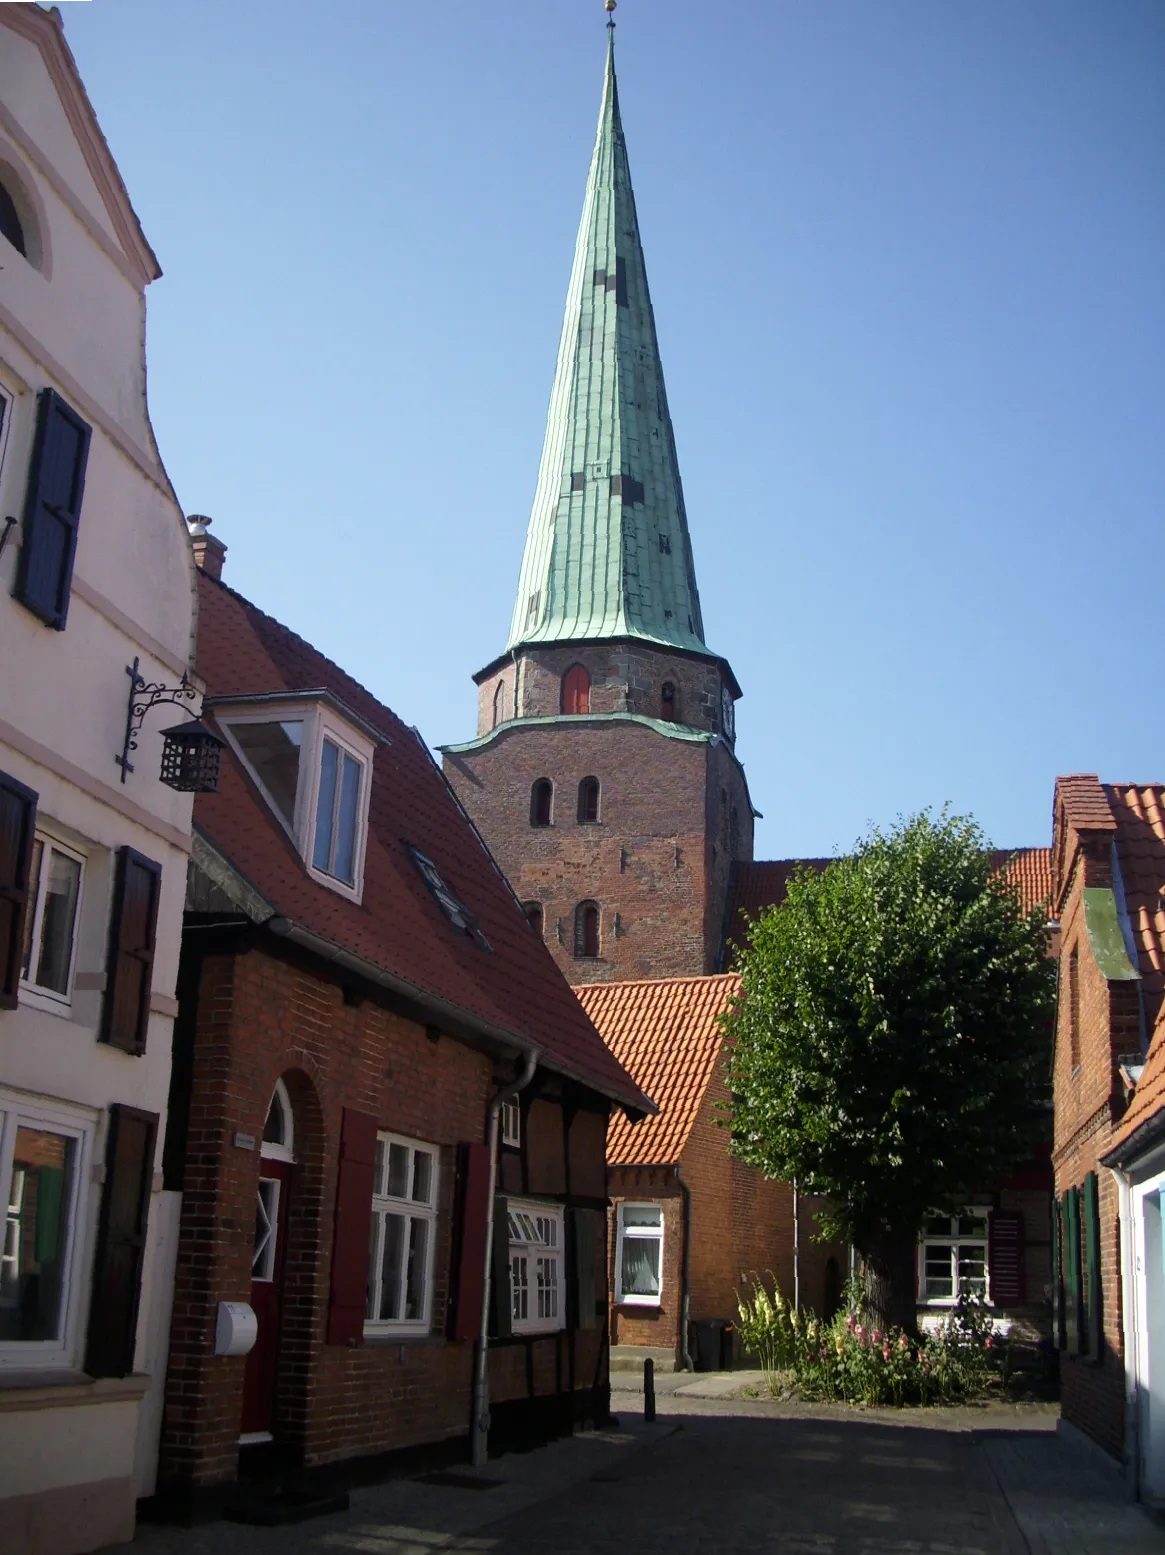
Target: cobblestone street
{"x": 721, "y": 1473}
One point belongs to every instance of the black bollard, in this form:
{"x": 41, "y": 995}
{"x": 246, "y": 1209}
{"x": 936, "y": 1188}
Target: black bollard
{"x": 649, "y": 1390}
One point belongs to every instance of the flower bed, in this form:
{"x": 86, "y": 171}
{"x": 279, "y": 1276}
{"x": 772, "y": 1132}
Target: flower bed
{"x": 852, "y": 1360}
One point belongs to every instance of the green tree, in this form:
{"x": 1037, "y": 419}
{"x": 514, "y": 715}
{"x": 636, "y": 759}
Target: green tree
{"x": 891, "y": 1046}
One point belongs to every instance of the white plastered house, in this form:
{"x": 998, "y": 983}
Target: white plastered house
{"x": 95, "y": 575}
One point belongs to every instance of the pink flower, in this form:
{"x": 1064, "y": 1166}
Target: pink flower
{"x": 886, "y": 1351}
{"x": 849, "y": 1321}
{"x": 860, "y": 1331}
{"x": 987, "y": 1341}
{"x": 903, "y": 1342}
{"x": 877, "y": 1336}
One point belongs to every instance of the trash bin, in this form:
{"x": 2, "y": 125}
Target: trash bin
{"x": 711, "y": 1334}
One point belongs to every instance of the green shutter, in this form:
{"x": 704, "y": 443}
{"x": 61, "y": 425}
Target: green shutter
{"x": 1092, "y": 1296}
{"x": 1072, "y": 1271}
{"x": 1058, "y": 1274}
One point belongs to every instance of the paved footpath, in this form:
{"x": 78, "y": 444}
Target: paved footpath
{"x": 721, "y": 1473}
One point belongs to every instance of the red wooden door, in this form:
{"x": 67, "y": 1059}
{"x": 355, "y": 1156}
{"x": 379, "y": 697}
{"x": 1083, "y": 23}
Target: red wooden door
{"x": 267, "y": 1264}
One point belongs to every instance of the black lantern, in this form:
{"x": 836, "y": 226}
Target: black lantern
{"x": 190, "y": 758}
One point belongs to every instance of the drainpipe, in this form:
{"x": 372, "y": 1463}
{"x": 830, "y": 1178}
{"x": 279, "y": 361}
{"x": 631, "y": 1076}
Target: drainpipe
{"x": 479, "y": 1420}
{"x": 796, "y": 1248}
{"x": 685, "y": 1353}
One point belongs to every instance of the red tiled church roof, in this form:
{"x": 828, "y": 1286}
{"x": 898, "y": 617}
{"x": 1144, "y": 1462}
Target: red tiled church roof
{"x": 515, "y": 988}
{"x": 667, "y": 1035}
{"x": 757, "y": 885}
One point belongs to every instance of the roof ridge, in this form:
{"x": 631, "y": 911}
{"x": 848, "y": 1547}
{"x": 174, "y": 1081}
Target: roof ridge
{"x": 654, "y": 982}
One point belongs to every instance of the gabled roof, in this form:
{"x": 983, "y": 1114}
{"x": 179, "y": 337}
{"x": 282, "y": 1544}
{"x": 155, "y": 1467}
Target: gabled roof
{"x": 607, "y": 551}
{"x": 514, "y": 988}
{"x": 45, "y": 28}
{"x": 1139, "y": 812}
{"x": 759, "y": 884}
{"x": 667, "y": 1036}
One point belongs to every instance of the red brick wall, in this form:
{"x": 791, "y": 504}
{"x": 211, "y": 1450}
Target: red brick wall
{"x": 657, "y": 861}
{"x": 261, "y": 1017}
{"x": 741, "y": 1223}
{"x": 1087, "y": 1107}
{"x": 626, "y": 677}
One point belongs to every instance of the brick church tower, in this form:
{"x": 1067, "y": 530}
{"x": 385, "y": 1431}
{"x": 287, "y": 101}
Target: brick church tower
{"x": 604, "y": 775}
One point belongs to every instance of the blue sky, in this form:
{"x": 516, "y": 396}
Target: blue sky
{"x": 907, "y": 265}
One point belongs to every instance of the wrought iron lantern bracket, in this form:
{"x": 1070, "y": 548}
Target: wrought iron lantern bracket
{"x": 144, "y": 695}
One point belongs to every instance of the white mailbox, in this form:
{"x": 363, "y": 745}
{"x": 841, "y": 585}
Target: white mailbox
{"x": 236, "y": 1330}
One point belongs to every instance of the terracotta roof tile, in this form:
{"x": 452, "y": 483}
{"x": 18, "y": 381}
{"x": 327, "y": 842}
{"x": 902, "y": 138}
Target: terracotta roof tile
{"x": 398, "y": 926}
{"x": 1148, "y": 1098}
{"x": 761, "y": 884}
{"x": 1138, "y": 810}
{"x": 667, "y": 1036}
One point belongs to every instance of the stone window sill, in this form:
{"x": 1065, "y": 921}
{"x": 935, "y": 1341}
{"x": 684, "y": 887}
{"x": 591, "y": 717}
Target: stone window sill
{"x": 21, "y": 1390}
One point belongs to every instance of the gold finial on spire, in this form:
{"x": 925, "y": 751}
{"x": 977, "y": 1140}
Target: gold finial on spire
{"x": 609, "y": 7}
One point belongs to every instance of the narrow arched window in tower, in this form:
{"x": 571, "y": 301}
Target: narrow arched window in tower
{"x": 586, "y": 931}
{"x": 576, "y": 690}
{"x": 541, "y": 802}
{"x": 667, "y": 701}
{"x": 500, "y": 704}
{"x": 10, "y": 223}
{"x": 534, "y": 917}
{"x": 588, "y": 801}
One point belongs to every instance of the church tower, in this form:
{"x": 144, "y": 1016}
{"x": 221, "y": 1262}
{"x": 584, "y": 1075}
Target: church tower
{"x": 603, "y": 775}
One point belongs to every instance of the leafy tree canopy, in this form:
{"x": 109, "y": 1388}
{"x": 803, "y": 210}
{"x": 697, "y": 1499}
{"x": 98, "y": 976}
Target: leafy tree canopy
{"x": 891, "y": 1047}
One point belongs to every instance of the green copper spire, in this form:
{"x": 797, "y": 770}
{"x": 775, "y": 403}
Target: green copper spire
{"x": 607, "y": 551}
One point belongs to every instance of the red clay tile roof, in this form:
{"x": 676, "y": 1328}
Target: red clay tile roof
{"x": 667, "y": 1036}
{"x": 398, "y": 926}
{"x": 758, "y": 885}
{"x": 1148, "y": 1099}
{"x": 1137, "y": 809}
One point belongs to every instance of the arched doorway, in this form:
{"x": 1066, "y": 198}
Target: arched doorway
{"x": 268, "y": 1258}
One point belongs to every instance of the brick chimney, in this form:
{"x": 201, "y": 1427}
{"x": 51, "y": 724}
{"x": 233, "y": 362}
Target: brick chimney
{"x": 209, "y": 551}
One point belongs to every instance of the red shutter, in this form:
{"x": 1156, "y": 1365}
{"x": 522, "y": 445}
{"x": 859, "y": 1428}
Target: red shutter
{"x": 121, "y": 1242}
{"x": 353, "y": 1228}
{"x": 1005, "y": 1255}
{"x": 56, "y": 484}
{"x": 129, "y": 973}
{"x": 17, "y": 821}
{"x": 576, "y": 690}
{"x": 469, "y": 1271}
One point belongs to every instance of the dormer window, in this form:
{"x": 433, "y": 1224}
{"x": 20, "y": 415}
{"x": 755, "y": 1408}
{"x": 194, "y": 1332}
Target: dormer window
{"x": 312, "y": 764}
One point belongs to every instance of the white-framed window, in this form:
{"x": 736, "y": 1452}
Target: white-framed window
{"x": 45, "y": 1155}
{"x": 511, "y": 1122}
{"x": 314, "y": 770}
{"x": 952, "y": 1256}
{"x": 266, "y": 1229}
{"x": 537, "y": 1293}
{"x": 278, "y": 1142}
{"x": 404, "y": 1227}
{"x": 639, "y": 1254}
{"x": 55, "y": 877}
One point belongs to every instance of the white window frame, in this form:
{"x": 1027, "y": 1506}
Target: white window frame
{"x": 511, "y": 1121}
{"x": 642, "y": 1234}
{"x": 953, "y": 1243}
{"x": 264, "y": 1273}
{"x": 17, "y": 1110}
{"x": 268, "y": 1149}
{"x": 32, "y": 992}
{"x": 319, "y": 720}
{"x": 537, "y": 1266}
{"x": 411, "y": 1209}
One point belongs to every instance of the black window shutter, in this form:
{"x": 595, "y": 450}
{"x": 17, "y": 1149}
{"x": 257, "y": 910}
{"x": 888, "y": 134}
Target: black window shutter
{"x": 500, "y": 1301}
{"x": 1006, "y": 1259}
{"x": 585, "y": 1247}
{"x": 129, "y": 973}
{"x": 17, "y": 821}
{"x": 121, "y": 1242}
{"x": 1092, "y": 1297}
{"x": 52, "y": 509}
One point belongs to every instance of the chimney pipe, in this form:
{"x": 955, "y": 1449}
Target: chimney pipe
{"x": 209, "y": 551}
